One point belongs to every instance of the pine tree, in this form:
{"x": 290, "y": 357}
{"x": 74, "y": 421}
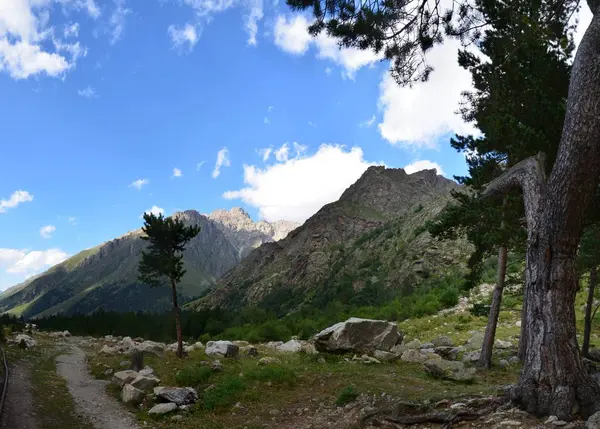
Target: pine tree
{"x": 554, "y": 379}
{"x": 163, "y": 259}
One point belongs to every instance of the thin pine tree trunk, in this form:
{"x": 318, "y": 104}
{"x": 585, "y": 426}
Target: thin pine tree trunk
{"x": 177, "y": 320}
{"x": 585, "y": 348}
{"x": 485, "y": 358}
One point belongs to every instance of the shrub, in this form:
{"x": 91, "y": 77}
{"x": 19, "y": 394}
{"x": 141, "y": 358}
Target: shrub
{"x": 346, "y": 396}
{"x": 193, "y": 375}
{"x": 480, "y": 309}
{"x": 224, "y": 394}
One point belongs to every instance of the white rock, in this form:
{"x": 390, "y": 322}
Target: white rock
{"x": 358, "y": 335}
{"x": 145, "y": 383}
{"x": 132, "y": 395}
{"x": 292, "y": 346}
{"x": 122, "y": 378}
{"x": 159, "y": 409}
{"x": 222, "y": 348}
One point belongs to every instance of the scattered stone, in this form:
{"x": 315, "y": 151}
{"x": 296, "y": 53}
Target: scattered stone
{"x": 249, "y": 351}
{"x": 145, "y": 383}
{"x": 513, "y": 360}
{"x": 177, "y": 418}
{"x": 414, "y": 344}
{"x": 222, "y": 348}
{"x": 132, "y": 395}
{"x": 503, "y": 363}
{"x": 358, "y": 335}
{"x": 559, "y": 423}
{"x": 427, "y": 346}
{"x": 412, "y": 355}
{"x": 177, "y": 395}
{"x": 449, "y": 370}
{"x": 365, "y": 359}
{"x": 241, "y": 344}
{"x": 160, "y": 409}
{"x": 26, "y": 340}
{"x": 447, "y": 352}
{"x": 385, "y": 356}
{"x": 66, "y": 334}
{"x": 147, "y": 371}
{"x": 593, "y": 422}
{"x": 321, "y": 360}
{"x": 273, "y": 344}
{"x": 471, "y": 357}
{"x": 398, "y": 349}
{"x": 107, "y": 350}
{"x": 443, "y": 341}
{"x": 308, "y": 348}
{"x": 122, "y": 378}
{"x": 108, "y": 372}
{"x": 518, "y": 323}
{"x": 550, "y": 420}
{"x": 198, "y": 345}
{"x": 124, "y": 363}
{"x": 188, "y": 349}
{"x": 151, "y": 347}
{"x": 267, "y": 360}
{"x": 217, "y": 366}
{"x": 511, "y": 423}
{"x": 292, "y": 346}
{"x": 127, "y": 343}
{"x": 499, "y": 344}
{"x": 476, "y": 341}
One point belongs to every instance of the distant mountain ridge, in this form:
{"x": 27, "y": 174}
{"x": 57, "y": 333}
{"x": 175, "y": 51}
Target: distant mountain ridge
{"x": 373, "y": 235}
{"x": 105, "y": 276}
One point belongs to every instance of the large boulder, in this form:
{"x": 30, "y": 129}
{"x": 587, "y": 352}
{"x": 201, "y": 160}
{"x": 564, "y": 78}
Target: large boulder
{"x": 108, "y": 350}
{"x": 26, "y": 339}
{"x": 415, "y": 356}
{"x": 143, "y": 382}
{"x": 449, "y": 370}
{"x": 177, "y": 395}
{"x": 222, "y": 349}
{"x": 160, "y": 409}
{"x": 132, "y": 395}
{"x": 358, "y": 335}
{"x": 593, "y": 422}
{"x": 292, "y": 346}
{"x": 151, "y": 347}
{"x": 127, "y": 343}
{"x": 122, "y": 378}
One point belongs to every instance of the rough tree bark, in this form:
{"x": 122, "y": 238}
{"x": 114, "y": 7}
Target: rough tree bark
{"x": 177, "y": 320}
{"x": 554, "y": 380}
{"x": 485, "y": 358}
{"x": 587, "y": 329}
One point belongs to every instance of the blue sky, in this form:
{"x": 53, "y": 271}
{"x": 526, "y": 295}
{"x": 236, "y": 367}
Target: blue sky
{"x": 103, "y": 100}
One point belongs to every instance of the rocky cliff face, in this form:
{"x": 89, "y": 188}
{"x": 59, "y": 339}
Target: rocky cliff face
{"x": 244, "y": 233}
{"x": 106, "y": 275}
{"x": 371, "y": 234}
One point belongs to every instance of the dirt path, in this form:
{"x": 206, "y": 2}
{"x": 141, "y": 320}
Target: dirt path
{"x": 89, "y": 395}
{"x": 19, "y": 410}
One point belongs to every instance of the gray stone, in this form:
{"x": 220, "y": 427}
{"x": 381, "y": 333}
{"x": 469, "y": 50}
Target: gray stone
{"x": 449, "y": 370}
{"x": 292, "y": 346}
{"x": 385, "y": 356}
{"x": 143, "y": 382}
{"x": 107, "y": 350}
{"x": 412, "y": 355}
{"x": 426, "y": 346}
{"x": 503, "y": 363}
{"x": 122, "y": 378}
{"x": 177, "y": 395}
{"x": 267, "y": 360}
{"x": 358, "y": 335}
{"x": 593, "y": 422}
{"x": 414, "y": 344}
{"x": 471, "y": 357}
{"x": 160, "y": 409}
{"x": 249, "y": 351}
{"x": 222, "y": 348}
{"x": 147, "y": 371}
{"x": 447, "y": 352}
{"x": 499, "y": 344}
{"x": 217, "y": 366}
{"x": 132, "y": 395}
{"x": 513, "y": 360}
{"x": 475, "y": 342}
{"x": 177, "y": 418}
{"x": 442, "y": 341}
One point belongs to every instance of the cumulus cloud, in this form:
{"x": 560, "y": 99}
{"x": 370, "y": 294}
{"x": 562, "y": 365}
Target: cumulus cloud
{"x": 155, "y": 210}
{"x": 17, "y": 197}
{"x": 222, "y": 161}
{"x": 47, "y": 231}
{"x": 182, "y": 35}
{"x": 16, "y": 261}
{"x": 87, "y": 92}
{"x": 297, "y": 187}
{"x": 291, "y": 35}
{"x": 424, "y": 164}
{"x": 417, "y": 116}
{"x": 29, "y": 45}
{"x": 139, "y": 183}
{"x": 177, "y": 173}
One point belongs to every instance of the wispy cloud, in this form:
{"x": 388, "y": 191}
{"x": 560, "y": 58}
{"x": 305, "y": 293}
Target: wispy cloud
{"x": 15, "y": 199}
{"x": 367, "y": 123}
{"x": 222, "y": 161}
{"x": 199, "y": 165}
{"x": 47, "y": 231}
{"x": 88, "y": 92}
{"x": 139, "y": 183}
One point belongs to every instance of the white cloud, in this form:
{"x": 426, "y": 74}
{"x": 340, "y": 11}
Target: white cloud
{"x": 296, "y": 188}
{"x": 255, "y": 15}
{"x": 177, "y": 173}
{"x": 291, "y": 35}
{"x": 199, "y": 165}
{"x": 367, "y": 123}
{"x": 28, "y": 44}
{"x": 87, "y": 92}
{"x": 312, "y": 124}
{"x": 424, "y": 164}
{"x": 71, "y": 30}
{"x": 270, "y": 108}
{"x": 222, "y": 161}
{"x": 47, "y": 231}
{"x": 116, "y": 21}
{"x": 419, "y": 115}
{"x": 267, "y": 121}
{"x": 155, "y": 210}
{"x": 182, "y": 35}
{"x": 27, "y": 262}
{"x": 283, "y": 153}
{"x": 139, "y": 183}
{"x": 265, "y": 153}
{"x": 15, "y": 199}
{"x": 72, "y": 220}
{"x": 328, "y": 71}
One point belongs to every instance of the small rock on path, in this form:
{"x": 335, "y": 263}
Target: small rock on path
{"x": 19, "y": 409}
{"x": 89, "y": 395}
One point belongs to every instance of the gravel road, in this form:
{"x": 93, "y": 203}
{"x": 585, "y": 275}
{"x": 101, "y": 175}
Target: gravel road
{"x": 19, "y": 409}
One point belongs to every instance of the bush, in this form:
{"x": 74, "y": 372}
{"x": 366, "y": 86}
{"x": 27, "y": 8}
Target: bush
{"x": 274, "y": 374}
{"x": 193, "y": 375}
{"x": 480, "y": 309}
{"x": 224, "y": 394}
{"x": 346, "y": 396}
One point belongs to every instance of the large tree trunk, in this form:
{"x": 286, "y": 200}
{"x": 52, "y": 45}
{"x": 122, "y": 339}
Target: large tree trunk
{"x": 177, "y": 320}
{"x": 554, "y": 380}
{"x": 485, "y": 359}
{"x": 587, "y": 329}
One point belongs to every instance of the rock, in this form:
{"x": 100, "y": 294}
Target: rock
{"x": 499, "y": 344}
{"x": 426, "y": 346}
{"x": 321, "y": 360}
{"x": 503, "y": 363}
{"x": 593, "y": 422}
{"x": 398, "y": 349}
{"x": 199, "y": 346}
{"x": 107, "y": 350}
{"x": 177, "y": 418}
{"x": 447, "y": 352}
{"x": 177, "y": 395}
{"x": 358, "y": 335}
{"x": 267, "y": 360}
{"x": 124, "y": 363}
{"x": 132, "y": 395}
{"x": 292, "y": 346}
{"x": 249, "y": 351}
{"x": 108, "y": 372}
{"x": 127, "y": 343}
{"x": 223, "y": 349}
{"x": 26, "y": 339}
{"x": 124, "y": 377}
{"x": 413, "y": 344}
{"x": 151, "y": 347}
{"x": 449, "y": 370}
{"x": 217, "y": 366}
{"x": 475, "y": 342}
{"x": 273, "y": 344}
{"x": 550, "y": 420}
{"x": 146, "y": 371}
{"x": 308, "y": 348}
{"x": 443, "y": 341}
{"x": 511, "y": 423}
{"x": 385, "y": 356}
{"x": 66, "y": 334}
{"x": 365, "y": 359}
{"x": 160, "y": 409}
{"x": 188, "y": 349}
{"x": 595, "y": 353}
{"x": 143, "y": 382}
{"x": 471, "y": 357}
{"x": 559, "y": 423}
{"x": 241, "y": 344}
{"x": 513, "y": 360}
{"x": 518, "y": 323}
{"x": 412, "y": 355}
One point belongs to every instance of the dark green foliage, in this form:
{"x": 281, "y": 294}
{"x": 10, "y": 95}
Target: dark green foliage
{"x": 274, "y": 374}
{"x": 480, "y": 309}
{"x": 349, "y": 394}
{"x": 163, "y": 258}
{"x": 224, "y": 394}
{"x": 193, "y": 375}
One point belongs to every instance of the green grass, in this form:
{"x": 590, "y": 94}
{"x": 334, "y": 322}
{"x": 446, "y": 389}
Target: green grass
{"x": 346, "y": 396}
{"x": 223, "y": 394}
{"x": 193, "y": 375}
